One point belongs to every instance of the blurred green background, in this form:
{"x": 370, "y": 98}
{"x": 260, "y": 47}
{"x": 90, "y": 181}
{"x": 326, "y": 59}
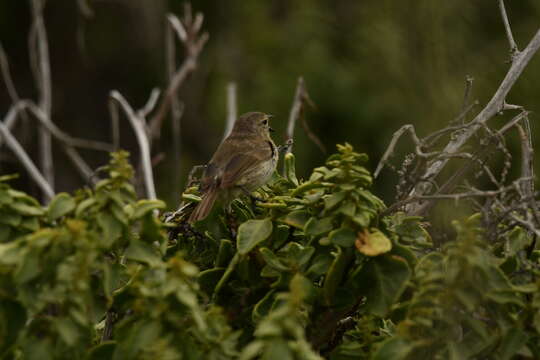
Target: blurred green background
{"x": 370, "y": 66}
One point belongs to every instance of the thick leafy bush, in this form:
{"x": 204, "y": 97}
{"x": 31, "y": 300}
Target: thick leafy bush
{"x": 309, "y": 270}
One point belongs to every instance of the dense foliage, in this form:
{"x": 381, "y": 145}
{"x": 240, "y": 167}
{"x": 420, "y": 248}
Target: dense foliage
{"x": 309, "y": 270}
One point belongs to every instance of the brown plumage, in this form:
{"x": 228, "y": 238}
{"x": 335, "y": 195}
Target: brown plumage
{"x": 243, "y": 162}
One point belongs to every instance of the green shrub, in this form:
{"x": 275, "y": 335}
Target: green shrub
{"x": 312, "y": 271}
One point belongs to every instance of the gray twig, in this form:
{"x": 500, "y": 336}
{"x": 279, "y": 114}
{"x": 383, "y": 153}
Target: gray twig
{"x": 23, "y": 157}
{"x": 177, "y": 108}
{"x": 115, "y": 124}
{"x": 188, "y": 33}
{"x": 232, "y": 109}
{"x": 301, "y": 98}
{"x": 45, "y": 91}
{"x": 48, "y": 126}
{"x": 513, "y": 46}
{"x": 137, "y": 123}
{"x": 494, "y": 106}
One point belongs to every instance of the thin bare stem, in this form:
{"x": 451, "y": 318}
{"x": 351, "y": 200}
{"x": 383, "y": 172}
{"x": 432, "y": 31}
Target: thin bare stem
{"x": 176, "y": 108}
{"x": 468, "y": 90}
{"x": 45, "y": 89}
{"x": 296, "y": 111}
{"x": 513, "y": 47}
{"x": 138, "y": 127}
{"x": 28, "y": 106}
{"x": 23, "y": 157}
{"x": 150, "y": 104}
{"x": 6, "y": 74}
{"x": 187, "y": 32}
{"x": 232, "y": 109}
{"x": 115, "y": 123}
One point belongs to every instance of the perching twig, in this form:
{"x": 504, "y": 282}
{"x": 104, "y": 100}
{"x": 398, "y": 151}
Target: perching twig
{"x": 41, "y": 48}
{"x": 23, "y": 157}
{"x": 138, "y": 127}
{"x": 301, "y": 97}
{"x": 296, "y": 110}
{"x": 188, "y": 33}
{"x": 232, "y": 109}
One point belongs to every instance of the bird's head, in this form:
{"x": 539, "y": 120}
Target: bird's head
{"x": 253, "y": 123}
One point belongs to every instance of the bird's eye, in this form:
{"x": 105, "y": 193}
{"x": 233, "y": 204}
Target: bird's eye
{"x": 265, "y": 122}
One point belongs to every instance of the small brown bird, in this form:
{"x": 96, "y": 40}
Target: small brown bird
{"x": 243, "y": 162}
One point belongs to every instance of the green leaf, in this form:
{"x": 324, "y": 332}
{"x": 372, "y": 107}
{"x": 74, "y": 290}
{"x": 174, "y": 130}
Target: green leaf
{"x": 251, "y": 233}
{"x": 208, "y": 279}
{"x": 60, "y": 205}
{"x": 317, "y": 226}
{"x": 373, "y": 242}
{"x": 262, "y": 308}
{"x": 67, "y": 330}
{"x": 333, "y": 200}
{"x": 393, "y": 348}
{"x": 111, "y": 227}
{"x": 348, "y": 209}
{"x": 30, "y": 223}
{"x": 143, "y": 207}
{"x": 28, "y": 267}
{"x": 272, "y": 260}
{"x": 12, "y": 321}
{"x": 225, "y": 253}
{"x": 10, "y": 218}
{"x": 516, "y": 241}
{"x": 297, "y": 218}
{"x": 335, "y": 274}
{"x": 513, "y": 340}
{"x": 320, "y": 264}
{"x": 344, "y": 236}
{"x": 143, "y": 252}
{"x": 290, "y": 168}
{"x": 103, "y": 351}
{"x": 84, "y": 205}
{"x": 25, "y": 209}
{"x": 382, "y": 280}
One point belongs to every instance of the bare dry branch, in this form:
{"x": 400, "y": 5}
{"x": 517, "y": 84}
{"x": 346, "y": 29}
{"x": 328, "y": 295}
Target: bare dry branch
{"x": 301, "y": 97}
{"x": 138, "y": 127}
{"x": 85, "y": 9}
{"x": 45, "y": 89}
{"x": 232, "y": 109}
{"x": 115, "y": 123}
{"x": 494, "y": 106}
{"x": 24, "y": 105}
{"x": 468, "y": 90}
{"x": 150, "y": 104}
{"x": 6, "y": 74}
{"x": 188, "y": 33}
{"x": 296, "y": 110}
{"x": 513, "y": 47}
{"x": 23, "y": 157}
{"x": 176, "y": 107}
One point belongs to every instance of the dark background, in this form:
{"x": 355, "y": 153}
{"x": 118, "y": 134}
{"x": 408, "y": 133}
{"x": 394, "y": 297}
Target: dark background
{"x": 370, "y": 66}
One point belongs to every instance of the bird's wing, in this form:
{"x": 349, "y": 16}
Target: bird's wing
{"x": 245, "y": 160}
{"x": 237, "y": 167}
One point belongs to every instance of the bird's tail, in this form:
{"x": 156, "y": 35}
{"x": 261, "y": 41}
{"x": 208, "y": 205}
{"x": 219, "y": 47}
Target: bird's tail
{"x": 203, "y": 208}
